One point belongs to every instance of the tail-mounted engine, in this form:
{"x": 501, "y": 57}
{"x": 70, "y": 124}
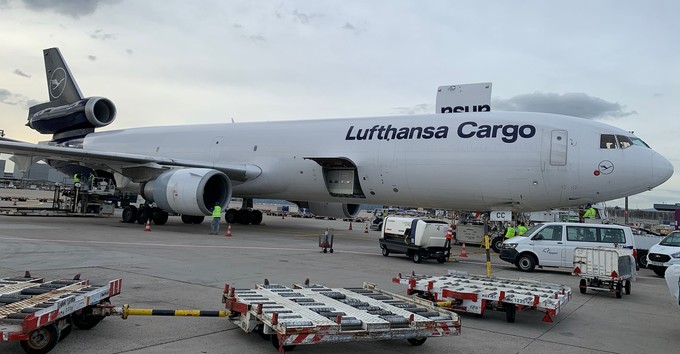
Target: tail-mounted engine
{"x": 72, "y": 120}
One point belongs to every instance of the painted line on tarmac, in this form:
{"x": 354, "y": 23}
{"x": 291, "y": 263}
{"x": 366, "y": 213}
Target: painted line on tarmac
{"x": 175, "y": 245}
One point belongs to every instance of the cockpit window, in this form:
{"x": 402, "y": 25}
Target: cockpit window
{"x": 638, "y": 142}
{"x": 624, "y": 141}
{"x": 607, "y": 141}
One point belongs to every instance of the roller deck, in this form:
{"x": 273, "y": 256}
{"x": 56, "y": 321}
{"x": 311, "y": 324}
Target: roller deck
{"x": 463, "y": 292}
{"x": 311, "y": 314}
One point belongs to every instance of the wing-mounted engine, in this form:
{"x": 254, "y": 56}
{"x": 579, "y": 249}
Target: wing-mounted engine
{"x": 72, "y": 120}
{"x": 189, "y": 191}
{"x": 336, "y": 210}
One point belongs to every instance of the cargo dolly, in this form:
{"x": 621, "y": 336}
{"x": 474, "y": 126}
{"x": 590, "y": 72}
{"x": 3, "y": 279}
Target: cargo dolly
{"x": 311, "y": 314}
{"x": 604, "y": 269}
{"x": 40, "y": 313}
{"x": 460, "y": 291}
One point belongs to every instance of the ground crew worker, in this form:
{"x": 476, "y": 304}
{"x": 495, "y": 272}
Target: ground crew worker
{"x": 521, "y": 229}
{"x": 510, "y": 231}
{"x": 590, "y": 212}
{"x": 76, "y": 180}
{"x": 216, "y": 213}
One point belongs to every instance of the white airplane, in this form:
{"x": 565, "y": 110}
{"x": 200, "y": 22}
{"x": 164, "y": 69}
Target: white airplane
{"x": 473, "y": 161}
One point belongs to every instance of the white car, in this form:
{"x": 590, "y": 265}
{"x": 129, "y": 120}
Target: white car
{"x": 664, "y": 254}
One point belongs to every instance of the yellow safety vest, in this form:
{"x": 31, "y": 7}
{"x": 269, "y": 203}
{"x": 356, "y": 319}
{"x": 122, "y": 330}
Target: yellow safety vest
{"x": 510, "y": 233}
{"x": 76, "y": 179}
{"x": 521, "y": 230}
{"x": 589, "y": 214}
{"x": 217, "y": 211}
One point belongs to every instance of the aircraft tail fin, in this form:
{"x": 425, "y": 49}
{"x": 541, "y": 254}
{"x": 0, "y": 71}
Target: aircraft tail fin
{"x": 61, "y": 85}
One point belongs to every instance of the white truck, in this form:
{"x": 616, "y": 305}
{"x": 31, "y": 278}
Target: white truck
{"x": 417, "y": 238}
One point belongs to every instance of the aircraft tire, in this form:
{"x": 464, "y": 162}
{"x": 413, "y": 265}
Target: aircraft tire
{"x": 257, "y": 217}
{"x": 143, "y": 214}
{"x": 230, "y": 216}
{"x": 159, "y": 216}
{"x": 129, "y": 214}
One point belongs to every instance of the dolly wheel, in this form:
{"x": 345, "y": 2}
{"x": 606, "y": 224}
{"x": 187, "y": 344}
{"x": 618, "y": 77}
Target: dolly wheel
{"x": 582, "y": 286}
{"x": 619, "y": 287}
{"x": 510, "y": 312}
{"x": 42, "y": 340}
{"x": 627, "y": 287}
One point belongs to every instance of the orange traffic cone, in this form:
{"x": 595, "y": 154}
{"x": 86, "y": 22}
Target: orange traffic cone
{"x": 350, "y": 226}
{"x": 148, "y": 225}
{"x": 366, "y": 230}
{"x": 463, "y": 251}
{"x": 228, "y": 230}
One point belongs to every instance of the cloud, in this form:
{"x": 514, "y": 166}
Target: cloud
{"x": 98, "y": 34}
{"x": 21, "y": 73}
{"x": 13, "y": 99}
{"x": 304, "y": 18}
{"x": 257, "y": 37}
{"x": 129, "y": 51}
{"x": 423, "y": 108}
{"x": 92, "y": 57}
{"x": 352, "y": 28}
{"x": 74, "y": 8}
{"x": 575, "y": 104}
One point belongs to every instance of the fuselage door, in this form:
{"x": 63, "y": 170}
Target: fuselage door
{"x": 558, "y": 148}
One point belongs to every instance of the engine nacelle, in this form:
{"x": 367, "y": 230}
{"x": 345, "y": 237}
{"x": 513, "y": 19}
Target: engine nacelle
{"x": 93, "y": 112}
{"x": 336, "y": 210}
{"x": 190, "y": 191}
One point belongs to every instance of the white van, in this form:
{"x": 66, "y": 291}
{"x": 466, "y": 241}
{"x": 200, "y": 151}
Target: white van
{"x": 552, "y": 244}
{"x": 664, "y": 254}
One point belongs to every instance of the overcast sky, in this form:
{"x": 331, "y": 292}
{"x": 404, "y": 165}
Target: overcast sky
{"x": 180, "y": 62}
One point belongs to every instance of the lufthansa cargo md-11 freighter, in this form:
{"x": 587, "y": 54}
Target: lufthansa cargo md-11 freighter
{"x": 474, "y": 161}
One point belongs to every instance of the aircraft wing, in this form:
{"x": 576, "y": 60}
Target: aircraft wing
{"x": 138, "y": 168}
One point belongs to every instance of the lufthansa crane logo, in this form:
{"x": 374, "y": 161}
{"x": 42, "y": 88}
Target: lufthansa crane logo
{"x": 57, "y": 82}
{"x": 605, "y": 167}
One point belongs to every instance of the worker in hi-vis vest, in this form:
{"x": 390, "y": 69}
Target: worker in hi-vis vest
{"x": 521, "y": 229}
{"x": 590, "y": 212}
{"x": 216, "y": 213}
{"x": 510, "y": 231}
{"x": 76, "y": 180}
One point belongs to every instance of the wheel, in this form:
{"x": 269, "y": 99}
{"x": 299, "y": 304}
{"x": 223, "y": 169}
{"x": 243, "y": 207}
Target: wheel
{"x": 582, "y": 286}
{"x": 143, "y": 214}
{"x": 510, "y": 312}
{"x": 187, "y": 219}
{"x": 619, "y": 287}
{"x": 325, "y": 250}
{"x": 660, "y": 271}
{"x": 257, "y": 217}
{"x": 526, "y": 262}
{"x": 129, "y": 214}
{"x": 84, "y": 319}
{"x": 244, "y": 217}
{"x": 197, "y": 219}
{"x": 230, "y": 216}
{"x": 42, "y": 340}
{"x": 330, "y": 250}
{"x": 642, "y": 259}
{"x": 159, "y": 216}
{"x": 275, "y": 343}
{"x": 497, "y": 244}
{"x": 92, "y": 209}
{"x": 385, "y": 251}
{"x": 627, "y": 286}
{"x": 441, "y": 259}
{"x": 417, "y": 257}
{"x": 416, "y": 341}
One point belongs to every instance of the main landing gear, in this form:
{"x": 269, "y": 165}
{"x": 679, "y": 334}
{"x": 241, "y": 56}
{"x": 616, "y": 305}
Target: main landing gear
{"x": 243, "y": 216}
{"x": 140, "y": 215}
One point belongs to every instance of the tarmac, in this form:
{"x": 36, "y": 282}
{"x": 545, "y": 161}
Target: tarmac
{"x": 178, "y": 266}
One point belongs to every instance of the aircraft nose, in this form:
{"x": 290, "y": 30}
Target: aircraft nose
{"x": 662, "y": 169}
